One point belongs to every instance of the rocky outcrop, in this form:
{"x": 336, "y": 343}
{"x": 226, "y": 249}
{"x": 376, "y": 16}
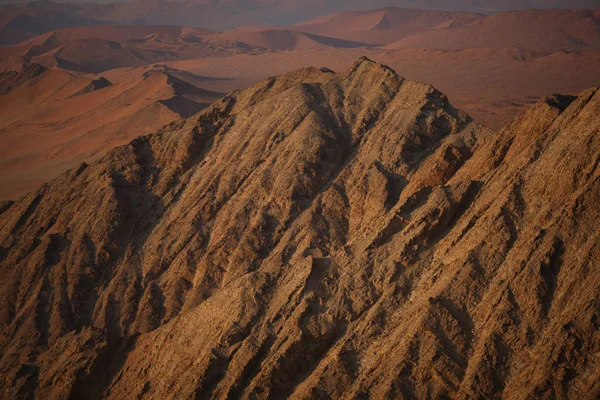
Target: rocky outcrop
{"x": 318, "y": 235}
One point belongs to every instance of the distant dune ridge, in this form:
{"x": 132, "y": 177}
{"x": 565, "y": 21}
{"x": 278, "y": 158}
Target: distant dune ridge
{"x": 317, "y": 235}
{"x": 97, "y": 49}
{"x": 52, "y": 120}
{"x": 19, "y": 22}
{"x": 494, "y": 67}
{"x": 531, "y": 29}
{"x": 283, "y": 39}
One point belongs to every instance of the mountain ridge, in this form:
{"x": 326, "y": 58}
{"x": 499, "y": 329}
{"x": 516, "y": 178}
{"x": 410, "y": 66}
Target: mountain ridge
{"x": 369, "y": 240}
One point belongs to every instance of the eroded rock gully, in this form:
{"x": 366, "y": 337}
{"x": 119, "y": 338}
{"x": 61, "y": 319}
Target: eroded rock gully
{"x": 318, "y": 235}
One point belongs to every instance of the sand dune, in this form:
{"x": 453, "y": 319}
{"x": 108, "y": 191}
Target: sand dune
{"x": 533, "y": 29}
{"x": 77, "y": 49}
{"x": 100, "y": 48}
{"x": 383, "y": 26}
{"x": 315, "y": 236}
{"x": 123, "y": 74}
{"x": 283, "y": 40}
{"x": 117, "y": 33}
{"x": 89, "y": 55}
{"x": 23, "y": 21}
{"x": 95, "y": 84}
{"x": 233, "y": 13}
{"x": 52, "y": 120}
{"x": 54, "y": 39}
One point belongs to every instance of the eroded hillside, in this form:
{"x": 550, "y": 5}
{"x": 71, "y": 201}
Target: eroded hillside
{"x": 318, "y": 235}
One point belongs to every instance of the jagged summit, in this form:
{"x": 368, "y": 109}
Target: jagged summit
{"x": 364, "y": 60}
{"x": 318, "y": 235}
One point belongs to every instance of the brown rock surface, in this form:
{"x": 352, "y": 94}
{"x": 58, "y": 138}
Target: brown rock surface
{"x": 318, "y": 235}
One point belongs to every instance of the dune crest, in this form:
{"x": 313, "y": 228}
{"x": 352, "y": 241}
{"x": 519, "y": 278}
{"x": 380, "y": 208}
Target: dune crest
{"x": 53, "y": 120}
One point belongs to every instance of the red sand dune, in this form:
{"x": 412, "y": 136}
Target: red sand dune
{"x": 532, "y": 29}
{"x": 128, "y": 32}
{"x": 89, "y": 55}
{"x": 22, "y": 21}
{"x": 492, "y": 67}
{"x": 52, "y": 121}
{"x": 96, "y": 49}
{"x": 280, "y": 39}
{"x": 384, "y": 26}
{"x": 123, "y": 74}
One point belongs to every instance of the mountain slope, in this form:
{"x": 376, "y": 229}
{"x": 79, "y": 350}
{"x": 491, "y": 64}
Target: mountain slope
{"x": 369, "y": 240}
{"x": 283, "y": 39}
{"x": 19, "y": 22}
{"x": 100, "y": 48}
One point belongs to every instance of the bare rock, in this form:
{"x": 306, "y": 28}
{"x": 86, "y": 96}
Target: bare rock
{"x": 318, "y": 235}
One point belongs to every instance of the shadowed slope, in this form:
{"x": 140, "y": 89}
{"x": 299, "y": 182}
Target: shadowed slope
{"x": 316, "y": 235}
{"x": 284, "y": 39}
{"x": 52, "y": 120}
{"x": 384, "y": 26}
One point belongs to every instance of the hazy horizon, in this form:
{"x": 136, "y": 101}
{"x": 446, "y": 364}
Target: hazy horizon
{"x": 450, "y": 5}
{"x": 44, "y": 15}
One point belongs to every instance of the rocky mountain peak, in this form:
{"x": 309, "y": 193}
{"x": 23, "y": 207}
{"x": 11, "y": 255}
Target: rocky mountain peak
{"x": 316, "y": 235}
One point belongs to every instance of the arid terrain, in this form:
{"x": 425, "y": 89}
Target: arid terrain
{"x": 272, "y": 199}
{"x": 369, "y": 241}
{"x": 19, "y": 22}
{"x": 493, "y": 67}
{"x": 52, "y": 120}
